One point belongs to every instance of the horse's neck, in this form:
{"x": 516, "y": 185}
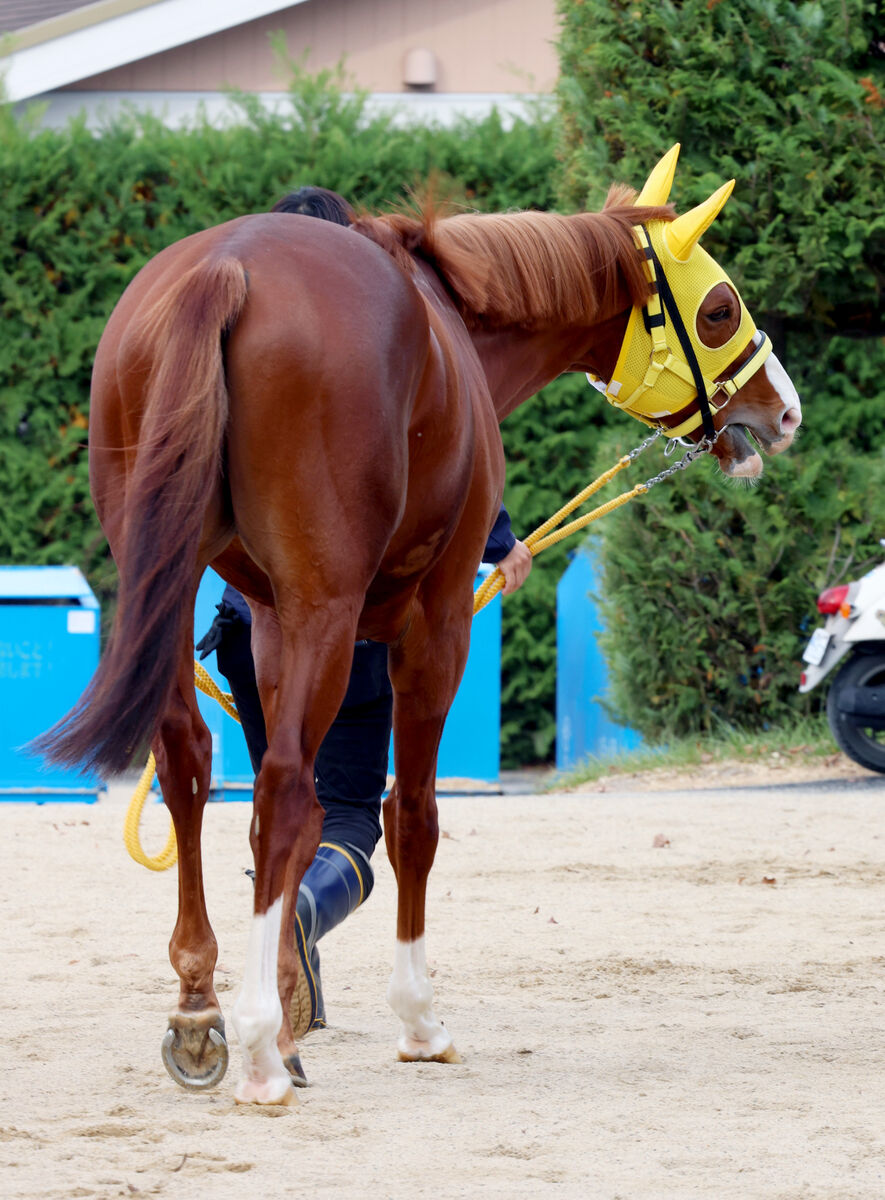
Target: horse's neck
{"x": 518, "y": 363}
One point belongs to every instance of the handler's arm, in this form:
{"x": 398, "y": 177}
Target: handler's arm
{"x": 505, "y": 551}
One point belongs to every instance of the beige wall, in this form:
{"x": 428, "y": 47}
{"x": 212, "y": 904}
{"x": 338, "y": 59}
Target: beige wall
{"x": 480, "y": 46}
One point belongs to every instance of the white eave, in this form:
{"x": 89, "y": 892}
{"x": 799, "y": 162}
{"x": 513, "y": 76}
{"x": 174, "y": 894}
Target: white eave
{"x": 184, "y": 108}
{"x": 111, "y": 33}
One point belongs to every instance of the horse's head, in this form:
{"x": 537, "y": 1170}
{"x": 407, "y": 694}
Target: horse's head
{"x": 692, "y": 361}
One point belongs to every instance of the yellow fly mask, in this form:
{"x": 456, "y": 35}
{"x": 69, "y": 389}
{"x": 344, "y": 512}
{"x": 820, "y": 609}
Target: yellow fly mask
{"x": 663, "y": 366}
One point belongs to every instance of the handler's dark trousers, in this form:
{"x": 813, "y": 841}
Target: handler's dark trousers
{"x": 351, "y": 766}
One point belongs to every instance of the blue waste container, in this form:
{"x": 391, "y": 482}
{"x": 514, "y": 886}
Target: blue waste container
{"x": 582, "y": 725}
{"x": 49, "y": 647}
{"x": 470, "y": 745}
{"x": 471, "y": 741}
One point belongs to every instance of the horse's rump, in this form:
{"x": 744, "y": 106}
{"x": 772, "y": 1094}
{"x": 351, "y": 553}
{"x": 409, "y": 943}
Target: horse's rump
{"x": 261, "y": 380}
{"x": 375, "y": 399}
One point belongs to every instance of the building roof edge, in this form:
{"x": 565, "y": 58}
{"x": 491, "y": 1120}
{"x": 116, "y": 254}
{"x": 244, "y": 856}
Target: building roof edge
{"x": 70, "y": 22}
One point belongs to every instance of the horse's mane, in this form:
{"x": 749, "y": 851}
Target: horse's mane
{"x": 531, "y": 269}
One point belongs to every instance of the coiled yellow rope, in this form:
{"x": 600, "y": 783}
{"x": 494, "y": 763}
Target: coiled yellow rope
{"x": 169, "y": 855}
{"x": 537, "y": 541}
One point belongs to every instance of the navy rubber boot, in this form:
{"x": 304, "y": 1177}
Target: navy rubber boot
{"x": 338, "y": 880}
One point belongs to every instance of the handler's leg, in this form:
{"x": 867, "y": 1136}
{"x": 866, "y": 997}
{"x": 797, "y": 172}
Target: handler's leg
{"x": 351, "y": 774}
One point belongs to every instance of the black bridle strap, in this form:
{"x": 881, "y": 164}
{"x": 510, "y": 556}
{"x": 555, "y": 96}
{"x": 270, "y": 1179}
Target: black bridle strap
{"x": 669, "y": 301}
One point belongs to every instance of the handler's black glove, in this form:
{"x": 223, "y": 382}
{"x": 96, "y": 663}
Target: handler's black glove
{"x": 212, "y": 639}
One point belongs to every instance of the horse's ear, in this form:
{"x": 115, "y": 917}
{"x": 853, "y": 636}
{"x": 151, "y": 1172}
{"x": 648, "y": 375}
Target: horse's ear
{"x": 684, "y": 233}
{"x": 657, "y": 186}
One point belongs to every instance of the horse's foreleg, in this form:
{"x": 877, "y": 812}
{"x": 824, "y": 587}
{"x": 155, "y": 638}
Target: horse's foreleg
{"x": 194, "y": 1048}
{"x": 425, "y": 671}
{"x": 286, "y": 829}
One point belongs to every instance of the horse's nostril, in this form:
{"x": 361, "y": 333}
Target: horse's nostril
{"x": 791, "y": 420}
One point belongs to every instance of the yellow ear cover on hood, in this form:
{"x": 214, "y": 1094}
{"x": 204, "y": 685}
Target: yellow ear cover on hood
{"x": 652, "y": 377}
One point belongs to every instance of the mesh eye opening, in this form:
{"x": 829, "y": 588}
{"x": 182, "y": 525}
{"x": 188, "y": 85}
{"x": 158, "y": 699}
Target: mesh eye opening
{"x": 719, "y": 327}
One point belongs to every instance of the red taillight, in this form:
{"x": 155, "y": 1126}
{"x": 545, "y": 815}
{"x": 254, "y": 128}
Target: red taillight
{"x": 832, "y": 599}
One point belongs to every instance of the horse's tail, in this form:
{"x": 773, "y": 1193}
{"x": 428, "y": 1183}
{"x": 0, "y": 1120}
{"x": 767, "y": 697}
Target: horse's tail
{"x": 167, "y": 490}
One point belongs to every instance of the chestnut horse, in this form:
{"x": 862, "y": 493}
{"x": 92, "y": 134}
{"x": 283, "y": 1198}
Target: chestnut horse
{"x": 313, "y": 410}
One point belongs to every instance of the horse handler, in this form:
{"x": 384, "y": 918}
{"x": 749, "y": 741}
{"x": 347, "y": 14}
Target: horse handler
{"x": 351, "y": 766}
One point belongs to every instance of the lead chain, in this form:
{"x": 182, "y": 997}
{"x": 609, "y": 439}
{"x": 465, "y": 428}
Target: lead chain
{"x": 703, "y": 447}
{"x": 649, "y": 441}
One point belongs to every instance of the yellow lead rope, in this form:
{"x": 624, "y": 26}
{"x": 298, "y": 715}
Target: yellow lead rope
{"x": 542, "y": 538}
{"x": 537, "y": 541}
{"x": 168, "y": 856}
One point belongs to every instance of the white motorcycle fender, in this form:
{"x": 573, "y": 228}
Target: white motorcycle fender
{"x": 867, "y": 599}
{"x": 869, "y": 603}
{"x": 836, "y": 651}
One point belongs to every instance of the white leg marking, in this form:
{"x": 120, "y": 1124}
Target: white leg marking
{"x": 257, "y": 1015}
{"x": 410, "y": 995}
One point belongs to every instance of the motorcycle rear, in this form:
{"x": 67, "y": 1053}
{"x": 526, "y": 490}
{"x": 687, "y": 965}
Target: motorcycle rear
{"x": 853, "y": 636}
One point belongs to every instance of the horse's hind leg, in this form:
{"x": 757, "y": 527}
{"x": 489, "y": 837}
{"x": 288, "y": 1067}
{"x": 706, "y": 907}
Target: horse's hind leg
{"x": 194, "y": 1048}
{"x": 314, "y": 655}
{"x": 425, "y": 671}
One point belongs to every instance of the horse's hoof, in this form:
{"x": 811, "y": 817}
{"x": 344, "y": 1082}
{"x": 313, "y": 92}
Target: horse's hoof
{"x": 195, "y": 1053}
{"x": 449, "y": 1055}
{"x": 296, "y": 1071}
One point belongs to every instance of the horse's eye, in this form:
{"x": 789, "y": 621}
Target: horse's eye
{"x": 719, "y": 314}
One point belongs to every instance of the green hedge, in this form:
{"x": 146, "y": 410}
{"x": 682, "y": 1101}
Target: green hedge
{"x": 709, "y": 588}
{"x": 790, "y": 100}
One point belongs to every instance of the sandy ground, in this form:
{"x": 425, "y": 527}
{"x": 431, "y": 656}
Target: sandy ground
{"x": 698, "y": 1018}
